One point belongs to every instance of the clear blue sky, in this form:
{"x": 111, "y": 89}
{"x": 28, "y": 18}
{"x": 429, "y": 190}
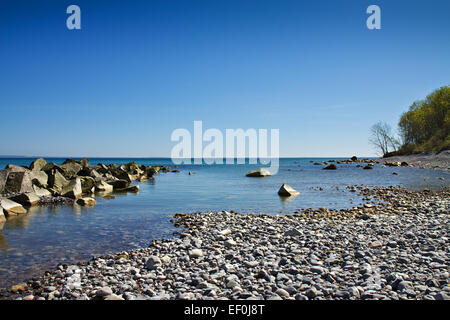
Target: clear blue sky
{"x": 137, "y": 70}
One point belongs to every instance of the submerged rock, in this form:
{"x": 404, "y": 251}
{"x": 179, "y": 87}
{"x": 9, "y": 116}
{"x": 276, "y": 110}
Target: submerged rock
{"x": 330, "y": 167}
{"x": 259, "y": 173}
{"x": 86, "y": 201}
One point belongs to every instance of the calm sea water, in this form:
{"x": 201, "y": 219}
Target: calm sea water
{"x": 46, "y": 236}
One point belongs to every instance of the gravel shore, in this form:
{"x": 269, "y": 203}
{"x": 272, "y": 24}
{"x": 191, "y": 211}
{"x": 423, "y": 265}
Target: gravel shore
{"x": 394, "y": 247}
{"x": 429, "y": 160}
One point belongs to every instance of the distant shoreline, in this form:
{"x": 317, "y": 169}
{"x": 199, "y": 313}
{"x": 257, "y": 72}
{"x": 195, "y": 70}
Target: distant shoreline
{"x": 431, "y": 160}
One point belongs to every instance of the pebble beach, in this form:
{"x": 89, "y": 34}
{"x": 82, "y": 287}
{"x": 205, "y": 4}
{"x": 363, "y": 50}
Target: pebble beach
{"x": 395, "y": 247}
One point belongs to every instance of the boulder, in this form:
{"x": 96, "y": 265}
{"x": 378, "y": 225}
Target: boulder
{"x": 73, "y": 189}
{"x": 87, "y": 184}
{"x": 121, "y": 174}
{"x": 14, "y": 168}
{"x": 50, "y": 166}
{"x": 3, "y": 177}
{"x": 103, "y": 186}
{"x": 86, "y": 201}
{"x": 330, "y": 167}
{"x": 38, "y": 164}
{"x": 26, "y": 199}
{"x": 85, "y": 163}
{"x": 56, "y": 180}
{"x": 134, "y": 189}
{"x": 119, "y": 184}
{"x": 2, "y": 217}
{"x": 41, "y": 192}
{"x": 153, "y": 170}
{"x": 12, "y": 208}
{"x": 354, "y": 158}
{"x": 259, "y": 173}
{"x": 39, "y": 178}
{"x": 287, "y": 191}
{"x": 368, "y": 167}
{"x": 18, "y": 182}
{"x": 71, "y": 168}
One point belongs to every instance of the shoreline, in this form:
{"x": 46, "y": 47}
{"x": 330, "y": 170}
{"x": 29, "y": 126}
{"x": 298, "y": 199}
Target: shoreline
{"x": 394, "y": 247}
{"x": 429, "y": 160}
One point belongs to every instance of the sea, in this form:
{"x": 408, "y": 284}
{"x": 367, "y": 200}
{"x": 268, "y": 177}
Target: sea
{"x": 38, "y": 241}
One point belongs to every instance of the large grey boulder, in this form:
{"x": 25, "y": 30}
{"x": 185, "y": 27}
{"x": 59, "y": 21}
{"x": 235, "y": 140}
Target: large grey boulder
{"x": 259, "y": 173}
{"x": 56, "y": 180}
{"x": 71, "y": 168}
{"x": 287, "y": 191}
{"x": 18, "y": 182}
{"x": 12, "y": 208}
{"x": 121, "y": 174}
{"x": 39, "y": 178}
{"x": 119, "y": 184}
{"x": 103, "y": 186}
{"x": 73, "y": 189}
{"x": 41, "y": 192}
{"x": 3, "y": 177}
{"x": 26, "y": 199}
{"x": 87, "y": 184}
{"x": 38, "y": 164}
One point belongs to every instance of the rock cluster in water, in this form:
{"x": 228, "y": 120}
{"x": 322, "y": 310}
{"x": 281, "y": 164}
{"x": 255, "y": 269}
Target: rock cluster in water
{"x": 72, "y": 181}
{"x": 393, "y": 247}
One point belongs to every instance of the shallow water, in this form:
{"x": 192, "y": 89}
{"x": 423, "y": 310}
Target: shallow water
{"x": 47, "y": 236}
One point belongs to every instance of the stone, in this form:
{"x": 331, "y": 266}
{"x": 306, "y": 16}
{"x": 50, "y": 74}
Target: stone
{"x": 38, "y": 164}
{"x": 287, "y": 191}
{"x": 153, "y": 262}
{"x": 134, "y": 189}
{"x": 26, "y": 199}
{"x": 56, "y": 180}
{"x": 292, "y": 233}
{"x": 3, "y": 177}
{"x": 225, "y": 232}
{"x": 119, "y": 184}
{"x": 330, "y": 167}
{"x": 102, "y": 186}
{"x": 12, "y": 208}
{"x": 71, "y": 168}
{"x": 121, "y": 174}
{"x": 39, "y": 178}
{"x": 2, "y": 216}
{"x": 354, "y": 158}
{"x": 259, "y": 173}
{"x": 230, "y": 243}
{"x": 86, "y": 201}
{"x": 41, "y": 192}
{"x": 73, "y": 189}
{"x": 113, "y": 297}
{"x": 103, "y": 292}
{"x": 195, "y": 253}
{"x": 368, "y": 167}
{"x": 87, "y": 184}
{"x": 18, "y": 182}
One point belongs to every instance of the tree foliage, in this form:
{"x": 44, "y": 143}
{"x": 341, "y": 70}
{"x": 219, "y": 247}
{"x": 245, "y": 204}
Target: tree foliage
{"x": 425, "y": 126}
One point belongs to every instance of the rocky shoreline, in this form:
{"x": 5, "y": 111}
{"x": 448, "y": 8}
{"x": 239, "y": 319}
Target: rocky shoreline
{"x": 430, "y": 160}
{"x": 393, "y": 247}
{"x": 73, "y": 181}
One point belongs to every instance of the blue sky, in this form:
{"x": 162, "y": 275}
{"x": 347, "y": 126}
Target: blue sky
{"x": 137, "y": 70}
